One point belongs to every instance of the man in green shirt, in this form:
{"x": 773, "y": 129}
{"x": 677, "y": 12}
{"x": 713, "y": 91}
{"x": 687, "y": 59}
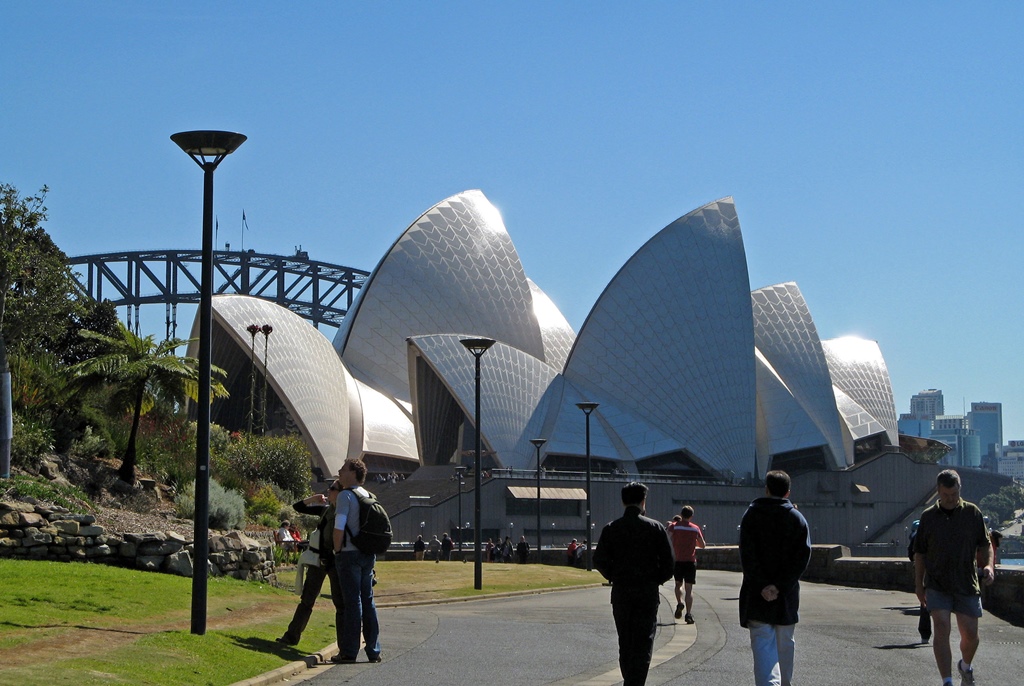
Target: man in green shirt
{"x": 951, "y": 544}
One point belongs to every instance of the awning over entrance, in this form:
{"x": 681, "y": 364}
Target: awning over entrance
{"x": 530, "y": 493}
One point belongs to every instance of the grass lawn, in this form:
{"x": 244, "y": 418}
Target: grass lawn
{"x": 73, "y": 623}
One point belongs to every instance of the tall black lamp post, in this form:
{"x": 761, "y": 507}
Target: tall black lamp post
{"x": 208, "y": 149}
{"x": 460, "y": 472}
{"x": 537, "y": 443}
{"x": 587, "y": 409}
{"x": 477, "y": 346}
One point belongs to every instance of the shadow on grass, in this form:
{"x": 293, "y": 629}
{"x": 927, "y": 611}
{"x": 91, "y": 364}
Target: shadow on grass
{"x": 271, "y": 647}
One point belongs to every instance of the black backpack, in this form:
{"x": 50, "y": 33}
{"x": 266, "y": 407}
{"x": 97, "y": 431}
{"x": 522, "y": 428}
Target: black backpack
{"x": 374, "y": 537}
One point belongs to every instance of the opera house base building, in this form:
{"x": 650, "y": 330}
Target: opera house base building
{"x": 738, "y": 383}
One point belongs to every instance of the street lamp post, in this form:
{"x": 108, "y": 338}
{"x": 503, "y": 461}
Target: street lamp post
{"x": 459, "y": 473}
{"x": 537, "y": 443}
{"x": 477, "y": 346}
{"x": 587, "y": 408}
{"x": 208, "y": 149}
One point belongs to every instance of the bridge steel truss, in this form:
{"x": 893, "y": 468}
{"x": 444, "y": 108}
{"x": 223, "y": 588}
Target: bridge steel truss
{"x": 320, "y": 292}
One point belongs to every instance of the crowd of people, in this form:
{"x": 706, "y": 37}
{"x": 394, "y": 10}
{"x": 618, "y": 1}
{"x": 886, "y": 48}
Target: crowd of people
{"x": 952, "y": 550}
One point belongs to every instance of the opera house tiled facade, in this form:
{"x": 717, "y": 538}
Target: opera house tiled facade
{"x": 695, "y": 375}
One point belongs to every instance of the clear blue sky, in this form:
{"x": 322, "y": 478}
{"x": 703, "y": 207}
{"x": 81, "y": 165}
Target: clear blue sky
{"x": 874, "y": 149}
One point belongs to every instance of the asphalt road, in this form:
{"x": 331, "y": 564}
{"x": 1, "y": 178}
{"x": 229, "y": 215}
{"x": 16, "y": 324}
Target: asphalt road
{"x": 845, "y": 636}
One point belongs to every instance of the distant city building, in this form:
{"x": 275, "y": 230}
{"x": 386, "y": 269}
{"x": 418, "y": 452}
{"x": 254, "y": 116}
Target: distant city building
{"x": 953, "y": 430}
{"x": 911, "y": 426}
{"x": 987, "y": 419}
{"x": 927, "y": 404}
{"x": 1011, "y": 462}
{"x": 924, "y": 407}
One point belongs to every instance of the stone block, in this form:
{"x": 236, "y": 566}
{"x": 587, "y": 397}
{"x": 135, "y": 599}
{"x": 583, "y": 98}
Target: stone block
{"x": 9, "y": 542}
{"x": 149, "y": 563}
{"x": 159, "y": 548}
{"x": 14, "y": 506}
{"x": 127, "y": 549}
{"x": 67, "y": 527}
{"x": 10, "y": 518}
{"x": 37, "y": 539}
{"x": 71, "y": 517}
{"x": 91, "y": 530}
{"x": 31, "y": 519}
{"x": 98, "y": 551}
{"x": 77, "y": 552}
{"x": 179, "y": 563}
{"x": 38, "y": 552}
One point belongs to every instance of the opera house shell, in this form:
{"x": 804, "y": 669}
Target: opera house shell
{"x": 695, "y": 375}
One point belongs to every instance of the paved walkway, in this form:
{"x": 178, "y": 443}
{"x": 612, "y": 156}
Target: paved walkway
{"x": 846, "y": 636}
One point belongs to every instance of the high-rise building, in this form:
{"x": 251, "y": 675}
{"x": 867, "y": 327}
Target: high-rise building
{"x": 954, "y": 431}
{"x": 1011, "y": 462}
{"x": 927, "y": 404}
{"x": 987, "y": 420}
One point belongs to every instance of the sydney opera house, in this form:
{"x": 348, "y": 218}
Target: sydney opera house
{"x": 698, "y": 379}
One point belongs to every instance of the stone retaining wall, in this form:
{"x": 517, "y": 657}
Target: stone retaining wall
{"x": 30, "y": 531}
{"x": 833, "y": 564}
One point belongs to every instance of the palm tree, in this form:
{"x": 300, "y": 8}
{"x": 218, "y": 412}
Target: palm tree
{"x": 140, "y": 370}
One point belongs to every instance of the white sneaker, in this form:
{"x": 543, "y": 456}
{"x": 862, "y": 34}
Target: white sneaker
{"x": 966, "y": 675}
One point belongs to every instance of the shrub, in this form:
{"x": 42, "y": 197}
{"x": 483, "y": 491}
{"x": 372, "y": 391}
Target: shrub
{"x": 166, "y": 447}
{"x": 227, "y": 508}
{"x": 282, "y": 461}
{"x": 31, "y": 440}
{"x": 71, "y": 497}
{"x": 263, "y": 502}
{"x": 90, "y": 444}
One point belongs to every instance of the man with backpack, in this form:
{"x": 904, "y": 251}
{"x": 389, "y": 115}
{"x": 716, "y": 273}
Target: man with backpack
{"x": 354, "y": 564}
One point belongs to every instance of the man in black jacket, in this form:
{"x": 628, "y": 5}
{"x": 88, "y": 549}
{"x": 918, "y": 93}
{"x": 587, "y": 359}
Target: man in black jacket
{"x": 775, "y": 547}
{"x": 635, "y": 555}
{"x": 322, "y": 506}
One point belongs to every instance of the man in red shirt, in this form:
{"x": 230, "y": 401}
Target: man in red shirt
{"x": 686, "y": 537}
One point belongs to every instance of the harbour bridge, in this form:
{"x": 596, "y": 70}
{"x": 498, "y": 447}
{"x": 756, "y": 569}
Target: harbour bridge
{"x": 320, "y": 292}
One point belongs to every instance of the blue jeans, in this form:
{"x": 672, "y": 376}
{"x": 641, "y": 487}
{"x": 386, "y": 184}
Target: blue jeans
{"x": 355, "y": 573}
{"x": 773, "y": 646}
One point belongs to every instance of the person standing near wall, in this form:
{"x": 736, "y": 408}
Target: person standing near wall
{"x": 634, "y": 554}
{"x": 775, "y": 547}
{"x": 951, "y": 543}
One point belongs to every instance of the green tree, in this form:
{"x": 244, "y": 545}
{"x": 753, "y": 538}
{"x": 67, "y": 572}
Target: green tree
{"x": 998, "y": 507}
{"x": 139, "y": 371}
{"x": 40, "y": 301}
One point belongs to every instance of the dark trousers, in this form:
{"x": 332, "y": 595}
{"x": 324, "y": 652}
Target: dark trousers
{"x": 311, "y": 586}
{"x": 636, "y": 620}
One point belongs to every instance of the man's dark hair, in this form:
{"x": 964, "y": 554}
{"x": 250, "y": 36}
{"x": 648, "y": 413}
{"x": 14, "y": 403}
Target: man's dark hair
{"x": 777, "y": 482}
{"x": 686, "y": 512}
{"x": 633, "y": 493}
{"x": 359, "y": 467}
{"x": 948, "y": 478}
